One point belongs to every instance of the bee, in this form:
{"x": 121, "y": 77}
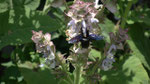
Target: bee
{"x": 85, "y": 37}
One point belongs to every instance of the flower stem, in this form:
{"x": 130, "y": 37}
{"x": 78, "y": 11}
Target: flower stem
{"x": 77, "y": 75}
{"x": 95, "y": 67}
{"x": 46, "y": 7}
{"x": 11, "y": 4}
{"x": 67, "y": 8}
{"x": 124, "y": 18}
{"x": 64, "y": 69}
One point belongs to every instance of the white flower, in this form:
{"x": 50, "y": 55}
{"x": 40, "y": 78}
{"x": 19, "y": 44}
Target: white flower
{"x": 94, "y": 20}
{"x": 37, "y": 36}
{"x": 110, "y": 55}
{"x": 47, "y": 37}
{"x": 48, "y": 48}
{"x": 112, "y": 47}
{"x": 97, "y": 6}
{"x": 51, "y": 56}
{"x": 41, "y": 65}
{"x": 45, "y": 46}
{"x": 71, "y": 23}
{"x": 107, "y": 64}
{"x": 72, "y": 33}
{"x": 50, "y": 63}
{"x": 79, "y": 50}
{"x": 53, "y": 64}
{"x": 83, "y": 20}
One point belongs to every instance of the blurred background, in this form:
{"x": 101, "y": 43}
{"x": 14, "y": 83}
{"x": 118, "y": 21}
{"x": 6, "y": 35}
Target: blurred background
{"x": 19, "y": 60}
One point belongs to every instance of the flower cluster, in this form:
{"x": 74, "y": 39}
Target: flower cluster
{"x": 119, "y": 38}
{"x": 45, "y": 46}
{"x": 117, "y": 42}
{"x": 83, "y": 23}
{"x": 108, "y": 61}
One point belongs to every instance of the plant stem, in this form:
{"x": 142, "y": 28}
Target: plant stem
{"x": 124, "y": 18}
{"x": 64, "y": 69}
{"x": 97, "y": 64}
{"x": 67, "y": 8}
{"x": 95, "y": 67}
{"x": 11, "y": 4}
{"x": 46, "y": 7}
{"x": 77, "y": 75}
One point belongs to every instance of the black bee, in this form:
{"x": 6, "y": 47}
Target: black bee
{"x": 85, "y": 37}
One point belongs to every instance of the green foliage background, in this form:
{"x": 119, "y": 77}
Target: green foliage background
{"x": 18, "y": 57}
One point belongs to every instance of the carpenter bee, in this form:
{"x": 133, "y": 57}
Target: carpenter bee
{"x": 85, "y": 37}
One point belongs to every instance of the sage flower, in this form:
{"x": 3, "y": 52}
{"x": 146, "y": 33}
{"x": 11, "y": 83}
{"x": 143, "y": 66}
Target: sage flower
{"x": 107, "y": 64}
{"x": 108, "y": 61}
{"x": 45, "y": 46}
{"x": 117, "y": 41}
{"x": 97, "y": 6}
{"x": 83, "y": 25}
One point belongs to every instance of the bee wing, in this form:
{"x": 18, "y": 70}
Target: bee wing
{"x": 75, "y": 39}
{"x": 95, "y": 37}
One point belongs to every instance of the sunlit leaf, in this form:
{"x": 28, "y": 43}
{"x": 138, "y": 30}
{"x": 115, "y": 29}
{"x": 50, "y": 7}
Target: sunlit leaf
{"x": 129, "y": 71}
{"x": 139, "y": 44}
{"x": 94, "y": 54}
{"x": 20, "y": 29}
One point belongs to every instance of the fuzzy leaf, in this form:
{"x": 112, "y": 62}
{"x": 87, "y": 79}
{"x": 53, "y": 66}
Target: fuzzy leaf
{"x": 129, "y": 71}
{"x": 19, "y": 26}
{"x": 106, "y": 28}
{"x": 140, "y": 44}
{"x": 36, "y": 77}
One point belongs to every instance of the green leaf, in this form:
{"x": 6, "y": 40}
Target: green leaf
{"x": 22, "y": 22}
{"x": 36, "y": 76}
{"x": 106, "y": 28}
{"x": 129, "y": 71}
{"x": 140, "y": 44}
{"x": 32, "y": 4}
{"x": 4, "y": 18}
{"x": 141, "y": 15}
{"x": 94, "y": 54}
{"x": 11, "y": 75}
{"x": 134, "y": 1}
{"x": 4, "y": 6}
{"x": 8, "y": 64}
